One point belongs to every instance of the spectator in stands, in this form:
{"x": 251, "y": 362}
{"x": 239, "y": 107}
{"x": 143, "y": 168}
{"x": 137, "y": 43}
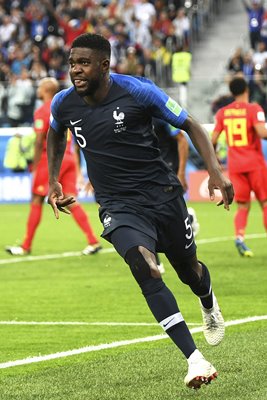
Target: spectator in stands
{"x": 119, "y": 46}
{"x": 37, "y": 71}
{"x": 53, "y": 47}
{"x": 264, "y": 29}
{"x": 160, "y": 59}
{"x": 38, "y": 22}
{"x": 127, "y": 14}
{"x": 182, "y": 27}
{"x": 72, "y": 22}
{"x": 20, "y": 61}
{"x": 255, "y": 11}
{"x": 132, "y": 64}
{"x": 259, "y": 55}
{"x": 257, "y": 89}
{"x": 236, "y": 61}
{"x": 163, "y": 24}
{"x": 7, "y": 29}
{"x": 181, "y": 72}
{"x": 248, "y": 66}
{"x": 55, "y": 69}
{"x": 20, "y": 100}
{"x": 141, "y": 36}
{"x": 145, "y": 12}
{"x": 3, "y": 118}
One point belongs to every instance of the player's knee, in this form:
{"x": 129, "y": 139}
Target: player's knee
{"x": 189, "y": 271}
{"x": 142, "y": 264}
{"x": 196, "y": 276}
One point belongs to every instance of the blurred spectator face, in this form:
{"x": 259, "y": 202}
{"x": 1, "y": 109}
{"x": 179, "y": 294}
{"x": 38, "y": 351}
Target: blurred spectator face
{"x": 157, "y": 42}
{"x": 24, "y": 74}
{"x": 261, "y": 47}
{"x": 247, "y": 58}
{"x": 54, "y": 42}
{"x": 256, "y": 3}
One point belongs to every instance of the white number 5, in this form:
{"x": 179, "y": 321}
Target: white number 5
{"x": 80, "y": 138}
{"x": 188, "y": 227}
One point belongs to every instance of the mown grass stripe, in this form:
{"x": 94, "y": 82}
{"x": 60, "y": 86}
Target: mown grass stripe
{"x": 112, "y": 345}
{"x": 44, "y": 257}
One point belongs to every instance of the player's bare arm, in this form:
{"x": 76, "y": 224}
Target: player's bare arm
{"x": 203, "y": 144}
{"x": 261, "y": 130}
{"x": 56, "y": 145}
{"x": 183, "y": 149}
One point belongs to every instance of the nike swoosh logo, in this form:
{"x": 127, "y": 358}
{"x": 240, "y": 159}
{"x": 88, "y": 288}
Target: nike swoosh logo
{"x": 188, "y": 245}
{"x": 75, "y": 122}
{"x": 167, "y": 323}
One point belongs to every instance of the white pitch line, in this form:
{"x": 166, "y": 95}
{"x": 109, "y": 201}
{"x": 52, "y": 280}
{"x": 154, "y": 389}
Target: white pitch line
{"x": 15, "y": 260}
{"x": 112, "y": 345}
{"x": 44, "y": 257}
{"x": 228, "y": 238}
{"x": 84, "y": 323}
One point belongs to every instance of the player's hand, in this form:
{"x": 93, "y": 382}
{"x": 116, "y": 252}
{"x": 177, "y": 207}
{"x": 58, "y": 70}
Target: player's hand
{"x": 58, "y": 201}
{"x": 219, "y": 181}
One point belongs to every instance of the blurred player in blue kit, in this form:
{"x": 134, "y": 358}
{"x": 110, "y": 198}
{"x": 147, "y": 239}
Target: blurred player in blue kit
{"x": 142, "y": 208}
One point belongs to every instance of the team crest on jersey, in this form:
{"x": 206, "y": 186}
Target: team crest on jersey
{"x": 119, "y": 118}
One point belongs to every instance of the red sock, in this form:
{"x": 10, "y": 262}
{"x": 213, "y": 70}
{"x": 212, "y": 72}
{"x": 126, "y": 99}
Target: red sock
{"x": 34, "y": 219}
{"x": 265, "y": 217}
{"x": 82, "y": 220}
{"x": 240, "y": 221}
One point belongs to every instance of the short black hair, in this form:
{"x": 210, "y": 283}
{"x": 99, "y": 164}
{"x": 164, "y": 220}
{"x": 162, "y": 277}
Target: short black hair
{"x": 93, "y": 41}
{"x": 238, "y": 86}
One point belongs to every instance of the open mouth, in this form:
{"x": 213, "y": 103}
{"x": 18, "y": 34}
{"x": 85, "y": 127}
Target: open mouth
{"x": 80, "y": 83}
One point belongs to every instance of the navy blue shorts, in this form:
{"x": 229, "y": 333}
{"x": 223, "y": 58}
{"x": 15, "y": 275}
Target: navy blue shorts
{"x": 163, "y": 228}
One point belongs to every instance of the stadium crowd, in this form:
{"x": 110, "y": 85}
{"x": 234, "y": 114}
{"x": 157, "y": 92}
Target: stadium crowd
{"x": 250, "y": 60}
{"x": 35, "y": 37}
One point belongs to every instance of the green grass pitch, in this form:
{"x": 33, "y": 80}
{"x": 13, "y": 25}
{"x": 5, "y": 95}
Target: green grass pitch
{"x": 61, "y": 288}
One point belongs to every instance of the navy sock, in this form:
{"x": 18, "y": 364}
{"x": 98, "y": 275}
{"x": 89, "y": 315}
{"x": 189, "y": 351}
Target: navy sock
{"x": 206, "y": 299}
{"x": 163, "y": 305}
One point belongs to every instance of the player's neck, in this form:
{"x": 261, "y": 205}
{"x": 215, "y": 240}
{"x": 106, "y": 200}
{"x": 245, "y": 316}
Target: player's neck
{"x": 242, "y": 98}
{"x": 100, "y": 94}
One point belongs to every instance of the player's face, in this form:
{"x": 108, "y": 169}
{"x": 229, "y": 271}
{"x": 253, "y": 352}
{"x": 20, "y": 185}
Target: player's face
{"x": 87, "y": 68}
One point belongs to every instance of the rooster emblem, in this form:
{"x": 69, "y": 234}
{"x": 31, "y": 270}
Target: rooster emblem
{"x": 119, "y": 117}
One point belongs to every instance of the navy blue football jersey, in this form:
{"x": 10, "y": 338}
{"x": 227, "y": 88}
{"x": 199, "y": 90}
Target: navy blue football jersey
{"x": 167, "y": 142}
{"x": 117, "y": 139}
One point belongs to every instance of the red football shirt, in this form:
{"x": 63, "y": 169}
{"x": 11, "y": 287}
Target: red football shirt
{"x": 244, "y": 145}
{"x": 41, "y": 125}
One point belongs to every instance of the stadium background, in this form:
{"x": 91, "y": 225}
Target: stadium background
{"x": 208, "y": 38}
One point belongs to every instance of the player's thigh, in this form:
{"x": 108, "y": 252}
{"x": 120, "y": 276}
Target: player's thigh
{"x": 258, "y": 182}
{"x": 176, "y": 238}
{"x": 242, "y": 187}
{"x": 125, "y": 238}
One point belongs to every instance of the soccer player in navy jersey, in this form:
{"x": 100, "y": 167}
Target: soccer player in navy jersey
{"x": 141, "y": 203}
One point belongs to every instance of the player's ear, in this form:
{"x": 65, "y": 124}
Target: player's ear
{"x": 105, "y": 65}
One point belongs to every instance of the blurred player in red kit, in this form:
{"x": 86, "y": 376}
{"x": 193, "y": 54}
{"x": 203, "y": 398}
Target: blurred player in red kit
{"x": 47, "y": 88}
{"x": 244, "y": 125}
